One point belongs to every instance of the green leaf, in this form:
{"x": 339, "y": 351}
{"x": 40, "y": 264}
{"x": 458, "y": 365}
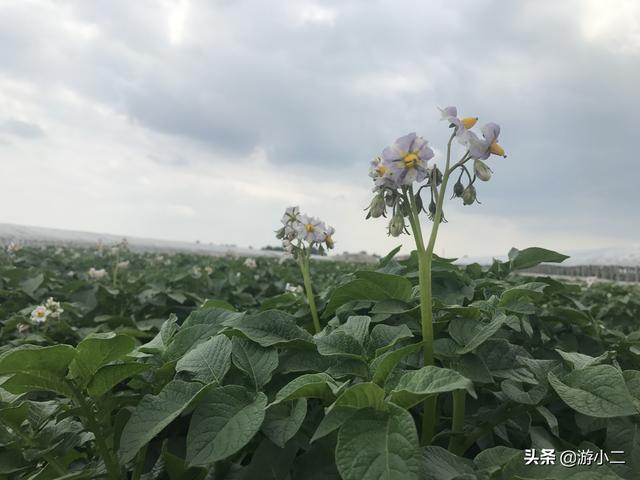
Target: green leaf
{"x": 97, "y": 350}
{"x": 389, "y": 256}
{"x": 332, "y": 421}
{"x": 361, "y": 395}
{"x": 530, "y": 257}
{"x": 383, "y": 365}
{"x": 30, "y": 358}
{"x": 379, "y": 445}
{"x": 417, "y": 385}
{"x": 209, "y": 361}
{"x": 34, "y": 381}
{"x": 257, "y": 362}
{"x": 369, "y": 286}
{"x": 580, "y": 360}
{"x": 218, "y": 304}
{"x": 340, "y": 344}
{"x": 30, "y": 285}
{"x": 153, "y": 414}
{"x": 516, "y": 392}
{"x": 439, "y": 464}
{"x": 224, "y": 421}
{"x": 632, "y": 379}
{"x": 311, "y": 385}
{"x": 188, "y": 338}
{"x": 470, "y": 334}
{"x": 472, "y": 367}
{"x": 109, "y": 376}
{"x": 385, "y": 337}
{"x": 524, "y": 290}
{"x": 212, "y": 316}
{"x": 356, "y": 326}
{"x": 597, "y": 391}
{"x": 271, "y": 328}
{"x": 283, "y": 421}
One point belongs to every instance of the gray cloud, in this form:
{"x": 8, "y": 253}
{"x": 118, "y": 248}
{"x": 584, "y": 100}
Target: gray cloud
{"x": 331, "y": 85}
{"x": 21, "y": 129}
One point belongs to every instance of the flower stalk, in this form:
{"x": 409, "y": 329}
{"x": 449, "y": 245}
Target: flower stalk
{"x": 303, "y": 262}
{"x": 407, "y": 161}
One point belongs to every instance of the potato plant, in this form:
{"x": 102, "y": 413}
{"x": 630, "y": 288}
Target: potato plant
{"x": 120, "y": 365}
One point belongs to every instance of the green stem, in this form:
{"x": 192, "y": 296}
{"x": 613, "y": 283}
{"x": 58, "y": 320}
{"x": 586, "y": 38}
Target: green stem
{"x": 108, "y": 456}
{"x": 306, "y": 277}
{"x": 425, "y": 256}
{"x": 456, "y": 442}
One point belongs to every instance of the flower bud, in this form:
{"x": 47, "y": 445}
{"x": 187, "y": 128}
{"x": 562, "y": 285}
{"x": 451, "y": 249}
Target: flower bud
{"x": 483, "y": 172}
{"x": 469, "y": 195}
{"x": 432, "y": 208}
{"x": 496, "y": 149}
{"x": 390, "y": 199}
{"x": 377, "y": 207}
{"x": 418, "y": 200}
{"x": 396, "y": 225}
{"x": 280, "y": 234}
{"x": 469, "y": 122}
{"x": 458, "y": 188}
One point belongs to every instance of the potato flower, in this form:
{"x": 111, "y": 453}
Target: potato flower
{"x": 96, "y": 274}
{"x": 482, "y": 148}
{"x": 53, "y": 308}
{"x": 250, "y": 263}
{"x": 407, "y": 160}
{"x": 40, "y": 314}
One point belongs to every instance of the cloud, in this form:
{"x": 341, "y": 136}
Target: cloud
{"x": 21, "y": 129}
{"x": 220, "y": 114}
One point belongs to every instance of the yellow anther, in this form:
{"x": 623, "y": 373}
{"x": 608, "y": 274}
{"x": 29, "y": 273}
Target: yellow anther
{"x": 496, "y": 149}
{"x": 469, "y": 122}
{"x": 380, "y": 170}
{"x": 329, "y": 241}
{"x": 309, "y": 227}
{"x": 410, "y": 160}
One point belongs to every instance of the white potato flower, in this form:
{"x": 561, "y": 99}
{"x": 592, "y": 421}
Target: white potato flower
{"x": 250, "y": 263}
{"x": 40, "y": 314}
{"x": 96, "y": 274}
{"x": 53, "y": 308}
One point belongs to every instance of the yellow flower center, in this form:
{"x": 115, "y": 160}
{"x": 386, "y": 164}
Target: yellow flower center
{"x": 309, "y": 227}
{"x": 496, "y": 149}
{"x": 380, "y": 170}
{"x": 40, "y": 313}
{"x": 410, "y": 160}
{"x": 469, "y": 122}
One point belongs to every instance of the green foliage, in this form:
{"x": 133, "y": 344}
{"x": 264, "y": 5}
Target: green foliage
{"x": 171, "y": 373}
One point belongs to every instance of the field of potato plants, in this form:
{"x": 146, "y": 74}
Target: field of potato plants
{"x": 124, "y": 365}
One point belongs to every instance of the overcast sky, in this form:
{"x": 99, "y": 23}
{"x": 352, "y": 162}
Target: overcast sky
{"x": 203, "y": 120}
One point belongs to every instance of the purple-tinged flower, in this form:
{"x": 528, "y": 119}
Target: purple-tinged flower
{"x": 328, "y": 236}
{"x": 310, "y": 229}
{"x": 407, "y": 159}
{"x": 482, "y": 148}
{"x": 462, "y": 125}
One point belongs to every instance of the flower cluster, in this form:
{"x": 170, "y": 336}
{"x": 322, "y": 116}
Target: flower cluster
{"x": 50, "y": 310}
{"x": 409, "y": 160}
{"x": 300, "y": 232}
{"x": 123, "y": 265}
{"x": 295, "y": 289}
{"x": 97, "y": 274}
{"x": 250, "y": 263}
{"x": 13, "y": 247}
